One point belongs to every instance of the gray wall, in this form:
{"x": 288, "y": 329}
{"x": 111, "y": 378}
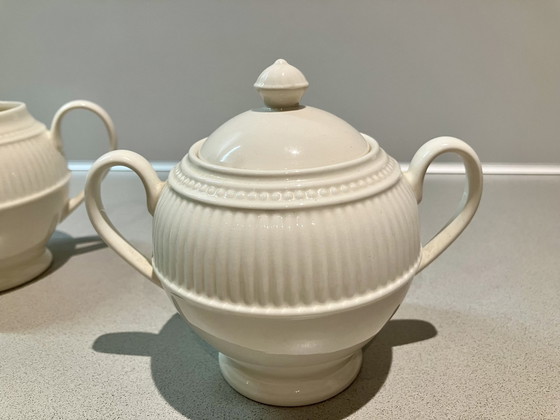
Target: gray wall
{"x": 169, "y": 72}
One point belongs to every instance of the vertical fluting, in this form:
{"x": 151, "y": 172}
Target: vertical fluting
{"x": 286, "y": 258}
{"x": 29, "y": 166}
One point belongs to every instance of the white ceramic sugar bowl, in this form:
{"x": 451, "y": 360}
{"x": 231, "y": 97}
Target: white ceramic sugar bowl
{"x": 34, "y": 182}
{"x": 286, "y": 239}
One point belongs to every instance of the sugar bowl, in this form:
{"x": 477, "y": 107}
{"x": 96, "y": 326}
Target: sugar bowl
{"x": 286, "y": 239}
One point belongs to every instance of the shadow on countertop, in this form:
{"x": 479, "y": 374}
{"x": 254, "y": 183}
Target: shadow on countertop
{"x": 185, "y": 370}
{"x": 63, "y": 247}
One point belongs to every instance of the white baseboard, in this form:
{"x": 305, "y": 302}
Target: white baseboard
{"x": 85, "y": 165}
{"x": 493, "y": 168}
{"x": 435, "y": 168}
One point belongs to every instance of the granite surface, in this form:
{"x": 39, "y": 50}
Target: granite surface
{"x": 478, "y": 335}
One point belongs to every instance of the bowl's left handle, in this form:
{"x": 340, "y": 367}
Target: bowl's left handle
{"x": 98, "y": 216}
{"x": 57, "y": 138}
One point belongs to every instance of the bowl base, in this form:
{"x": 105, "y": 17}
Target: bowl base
{"x": 292, "y": 385}
{"x": 23, "y": 268}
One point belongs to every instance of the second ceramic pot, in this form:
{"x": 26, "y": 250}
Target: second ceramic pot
{"x": 34, "y": 183}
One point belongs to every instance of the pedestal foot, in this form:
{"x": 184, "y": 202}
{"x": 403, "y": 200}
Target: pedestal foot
{"x": 291, "y": 386}
{"x": 23, "y": 268}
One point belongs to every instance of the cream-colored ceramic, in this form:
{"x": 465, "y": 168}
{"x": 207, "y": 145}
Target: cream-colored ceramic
{"x": 34, "y": 182}
{"x": 286, "y": 239}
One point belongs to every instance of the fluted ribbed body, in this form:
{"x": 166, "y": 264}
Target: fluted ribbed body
{"x": 33, "y": 192}
{"x": 337, "y": 243}
{"x": 30, "y": 164}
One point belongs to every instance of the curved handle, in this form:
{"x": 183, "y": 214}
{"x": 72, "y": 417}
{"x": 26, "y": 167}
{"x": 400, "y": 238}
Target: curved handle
{"x": 75, "y": 201}
{"x": 98, "y": 215}
{"x": 471, "y": 196}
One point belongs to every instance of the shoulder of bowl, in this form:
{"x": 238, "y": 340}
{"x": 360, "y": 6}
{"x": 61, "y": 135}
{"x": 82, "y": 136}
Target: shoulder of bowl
{"x": 26, "y": 130}
{"x": 291, "y": 190}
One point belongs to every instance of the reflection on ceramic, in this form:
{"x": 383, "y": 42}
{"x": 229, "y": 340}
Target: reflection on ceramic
{"x": 286, "y": 239}
{"x": 33, "y": 188}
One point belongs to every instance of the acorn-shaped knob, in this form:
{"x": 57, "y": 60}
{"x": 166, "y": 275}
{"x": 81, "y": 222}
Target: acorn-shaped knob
{"x": 281, "y": 85}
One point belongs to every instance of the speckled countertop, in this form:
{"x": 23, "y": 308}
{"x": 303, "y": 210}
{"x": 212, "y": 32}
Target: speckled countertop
{"x": 478, "y": 335}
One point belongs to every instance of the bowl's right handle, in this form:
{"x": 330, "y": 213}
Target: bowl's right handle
{"x": 471, "y": 196}
{"x": 98, "y": 215}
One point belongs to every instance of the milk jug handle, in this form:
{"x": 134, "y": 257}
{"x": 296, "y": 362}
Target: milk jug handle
{"x": 98, "y": 215}
{"x": 471, "y": 196}
{"x": 57, "y": 138}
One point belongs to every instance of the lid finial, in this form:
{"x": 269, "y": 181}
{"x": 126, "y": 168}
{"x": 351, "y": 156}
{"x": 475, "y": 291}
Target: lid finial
{"x": 281, "y": 85}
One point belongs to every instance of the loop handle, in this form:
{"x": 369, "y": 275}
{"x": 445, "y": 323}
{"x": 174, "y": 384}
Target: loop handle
{"x": 471, "y": 196}
{"x": 75, "y": 201}
{"x": 98, "y": 215}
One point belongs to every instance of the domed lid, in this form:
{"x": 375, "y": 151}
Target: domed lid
{"x": 283, "y": 135}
